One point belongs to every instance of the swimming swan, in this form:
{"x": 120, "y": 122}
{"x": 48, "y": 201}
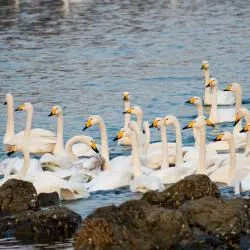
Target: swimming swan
{"x": 222, "y": 97}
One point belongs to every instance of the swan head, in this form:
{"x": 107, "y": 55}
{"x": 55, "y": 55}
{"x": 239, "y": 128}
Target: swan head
{"x": 225, "y": 136}
{"x": 240, "y": 114}
{"x": 126, "y": 96}
{"x": 212, "y": 83}
{"x": 55, "y": 111}
{"x": 234, "y": 87}
{"x": 199, "y": 122}
{"x": 8, "y": 98}
{"x": 122, "y": 133}
{"x": 92, "y": 144}
{"x": 194, "y": 100}
{"x": 25, "y": 106}
{"x": 205, "y": 65}
{"x": 156, "y": 122}
{"x": 246, "y": 128}
{"x": 170, "y": 119}
{"x": 11, "y": 149}
{"x": 91, "y": 121}
{"x": 136, "y": 110}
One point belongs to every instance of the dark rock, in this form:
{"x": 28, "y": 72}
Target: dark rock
{"x": 214, "y": 217}
{"x": 17, "y": 196}
{"x": 48, "y": 199}
{"x": 133, "y": 225}
{"x": 192, "y": 187}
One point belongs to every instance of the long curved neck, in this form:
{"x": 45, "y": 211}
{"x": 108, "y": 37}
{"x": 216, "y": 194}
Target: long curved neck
{"x": 238, "y": 98}
{"x": 247, "y": 119}
{"x": 135, "y": 155}
{"x": 207, "y": 90}
{"x": 10, "y": 126}
{"x": 126, "y": 116}
{"x": 28, "y": 123}
{"x": 147, "y": 137}
{"x": 213, "y": 111}
{"x": 139, "y": 118}
{"x": 135, "y": 127}
{"x": 164, "y": 146}
{"x": 199, "y": 109}
{"x": 69, "y": 147}
{"x": 202, "y": 151}
{"x": 179, "y": 157}
{"x": 26, "y": 163}
{"x": 232, "y": 167}
{"x": 59, "y": 137}
{"x": 104, "y": 142}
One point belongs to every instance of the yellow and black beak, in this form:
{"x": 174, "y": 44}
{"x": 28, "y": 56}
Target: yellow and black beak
{"x": 125, "y": 97}
{"x": 228, "y": 88}
{"x": 128, "y": 111}
{"x": 190, "y": 125}
{"x": 154, "y": 124}
{"x": 191, "y": 100}
{"x": 20, "y": 107}
{"x": 11, "y": 149}
{"x": 119, "y": 136}
{"x": 218, "y": 138}
{"x": 245, "y": 129}
{"x": 237, "y": 119}
{"x": 202, "y": 67}
{"x": 209, "y": 123}
{"x": 52, "y": 112}
{"x": 94, "y": 147}
{"x": 5, "y": 103}
{"x": 87, "y": 124}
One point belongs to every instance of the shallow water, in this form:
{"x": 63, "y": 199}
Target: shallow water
{"x": 83, "y": 57}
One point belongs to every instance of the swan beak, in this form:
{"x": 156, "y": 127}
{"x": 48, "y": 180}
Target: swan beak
{"x": 190, "y": 125}
{"x": 218, "y": 138}
{"x": 125, "y": 97}
{"x": 245, "y": 129}
{"x": 154, "y": 124}
{"x": 5, "y": 103}
{"x": 53, "y": 111}
{"x": 237, "y": 119}
{"x": 209, "y": 123}
{"x": 191, "y": 100}
{"x": 87, "y": 124}
{"x": 11, "y": 149}
{"x": 228, "y": 88}
{"x": 94, "y": 147}
{"x": 20, "y": 107}
{"x": 119, "y": 136}
{"x": 10, "y": 153}
{"x": 50, "y": 114}
{"x": 128, "y": 111}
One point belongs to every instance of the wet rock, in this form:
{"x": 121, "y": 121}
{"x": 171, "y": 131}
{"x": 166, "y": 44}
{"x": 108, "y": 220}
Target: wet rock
{"x": 17, "y": 196}
{"x": 214, "y": 217}
{"x": 190, "y": 188}
{"x": 133, "y": 225}
{"x": 48, "y": 199}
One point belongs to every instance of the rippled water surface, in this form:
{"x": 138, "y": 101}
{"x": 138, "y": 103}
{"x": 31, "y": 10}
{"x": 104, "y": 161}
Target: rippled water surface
{"x": 84, "y": 55}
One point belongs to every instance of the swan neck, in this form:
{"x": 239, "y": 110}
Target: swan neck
{"x": 147, "y": 138}
{"x": 179, "y": 157}
{"x": 206, "y": 72}
{"x": 247, "y": 119}
{"x": 104, "y": 143}
{"x": 164, "y": 146}
{"x": 207, "y": 96}
{"x": 26, "y": 163}
{"x": 59, "y": 137}
{"x": 10, "y": 126}
{"x": 202, "y": 151}
{"x": 126, "y": 116}
{"x": 238, "y": 99}
{"x": 135, "y": 155}
{"x": 213, "y": 111}
{"x": 139, "y": 118}
{"x": 232, "y": 167}
{"x": 69, "y": 148}
{"x": 28, "y": 123}
{"x": 200, "y": 109}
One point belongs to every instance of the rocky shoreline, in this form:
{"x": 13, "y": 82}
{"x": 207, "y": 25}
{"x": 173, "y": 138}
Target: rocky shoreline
{"x": 188, "y": 215}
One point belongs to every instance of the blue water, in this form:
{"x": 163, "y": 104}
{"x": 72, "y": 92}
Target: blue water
{"x": 84, "y": 56}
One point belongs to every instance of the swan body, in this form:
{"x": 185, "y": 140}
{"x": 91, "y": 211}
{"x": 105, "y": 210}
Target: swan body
{"x": 223, "y": 98}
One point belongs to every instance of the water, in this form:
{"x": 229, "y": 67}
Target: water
{"x": 84, "y": 56}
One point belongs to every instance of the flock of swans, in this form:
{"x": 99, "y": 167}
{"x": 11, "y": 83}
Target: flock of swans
{"x": 81, "y": 166}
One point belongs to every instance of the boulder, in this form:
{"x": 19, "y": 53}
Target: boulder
{"x": 190, "y": 188}
{"x": 48, "y": 199}
{"x": 17, "y": 196}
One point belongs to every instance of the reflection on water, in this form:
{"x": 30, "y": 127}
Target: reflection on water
{"x": 83, "y": 55}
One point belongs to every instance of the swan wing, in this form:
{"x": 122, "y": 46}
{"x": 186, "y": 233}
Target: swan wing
{"x": 225, "y": 98}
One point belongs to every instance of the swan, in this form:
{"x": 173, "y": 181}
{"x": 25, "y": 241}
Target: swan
{"x": 136, "y": 110}
{"x": 37, "y": 144}
{"x": 238, "y": 168}
{"x": 44, "y": 181}
{"x": 219, "y": 115}
{"x": 126, "y": 99}
{"x": 222, "y": 97}
{"x": 10, "y": 135}
{"x": 174, "y": 174}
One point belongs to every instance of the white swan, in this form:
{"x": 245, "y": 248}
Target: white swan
{"x": 136, "y": 110}
{"x": 126, "y": 99}
{"x": 219, "y": 115}
{"x": 222, "y": 97}
{"x": 37, "y": 144}
{"x": 45, "y": 182}
{"x": 236, "y": 169}
{"x": 10, "y": 135}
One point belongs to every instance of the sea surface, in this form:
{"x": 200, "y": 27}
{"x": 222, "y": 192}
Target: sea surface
{"x": 83, "y": 55}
